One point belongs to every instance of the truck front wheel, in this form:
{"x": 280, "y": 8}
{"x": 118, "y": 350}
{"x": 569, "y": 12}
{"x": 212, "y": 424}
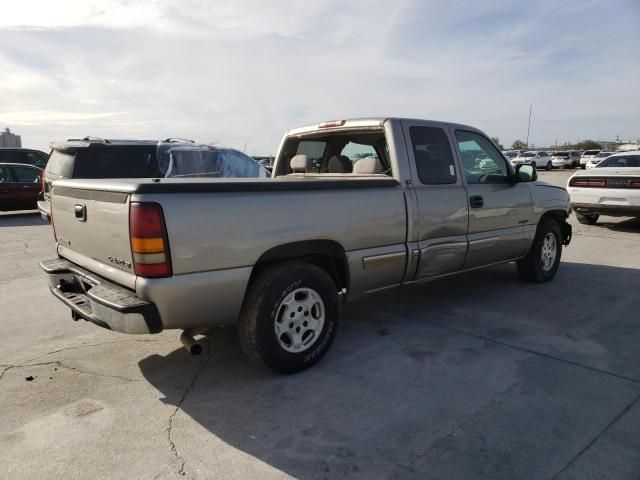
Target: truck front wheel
{"x": 542, "y": 262}
{"x": 289, "y": 317}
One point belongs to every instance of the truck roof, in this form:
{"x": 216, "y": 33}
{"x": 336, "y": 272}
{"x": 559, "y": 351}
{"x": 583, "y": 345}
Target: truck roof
{"x": 365, "y": 123}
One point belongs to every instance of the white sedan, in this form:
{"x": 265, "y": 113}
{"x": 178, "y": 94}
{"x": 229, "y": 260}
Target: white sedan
{"x": 610, "y": 188}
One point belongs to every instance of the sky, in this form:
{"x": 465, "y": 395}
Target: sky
{"x": 242, "y": 72}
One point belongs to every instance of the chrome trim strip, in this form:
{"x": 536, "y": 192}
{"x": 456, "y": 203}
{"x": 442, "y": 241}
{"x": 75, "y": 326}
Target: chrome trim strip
{"x": 452, "y": 247}
{"x": 385, "y": 260}
{"x": 483, "y": 243}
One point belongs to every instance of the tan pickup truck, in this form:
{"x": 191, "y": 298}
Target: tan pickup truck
{"x": 354, "y": 207}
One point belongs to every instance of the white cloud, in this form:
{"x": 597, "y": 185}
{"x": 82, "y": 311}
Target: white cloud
{"x": 237, "y": 71}
{"x": 35, "y": 117}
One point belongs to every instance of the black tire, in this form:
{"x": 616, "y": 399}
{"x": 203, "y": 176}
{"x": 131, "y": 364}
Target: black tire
{"x": 587, "y": 219}
{"x": 260, "y": 311}
{"x": 530, "y": 268}
{"x": 548, "y": 166}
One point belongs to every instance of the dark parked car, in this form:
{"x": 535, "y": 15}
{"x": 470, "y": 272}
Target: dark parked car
{"x": 93, "y": 157}
{"x": 20, "y": 186}
{"x": 97, "y": 158}
{"x": 23, "y": 155}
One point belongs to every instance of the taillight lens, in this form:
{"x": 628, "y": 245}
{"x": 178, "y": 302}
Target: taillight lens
{"x": 588, "y": 182}
{"x": 634, "y": 183}
{"x": 149, "y": 242}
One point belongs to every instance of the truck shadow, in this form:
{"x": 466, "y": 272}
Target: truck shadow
{"x": 21, "y": 219}
{"x": 631, "y": 225}
{"x": 430, "y": 381}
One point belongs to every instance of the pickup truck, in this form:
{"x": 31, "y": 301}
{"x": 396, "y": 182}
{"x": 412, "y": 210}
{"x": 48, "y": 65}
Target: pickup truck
{"x": 354, "y": 207}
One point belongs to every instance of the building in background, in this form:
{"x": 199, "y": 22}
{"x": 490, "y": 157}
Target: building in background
{"x": 8, "y": 139}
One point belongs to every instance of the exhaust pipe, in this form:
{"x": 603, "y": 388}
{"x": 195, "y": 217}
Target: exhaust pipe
{"x": 191, "y": 344}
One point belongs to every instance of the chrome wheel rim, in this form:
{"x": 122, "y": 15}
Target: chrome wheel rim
{"x": 549, "y": 251}
{"x": 299, "y": 320}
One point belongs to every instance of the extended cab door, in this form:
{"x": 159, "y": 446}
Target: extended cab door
{"x": 441, "y": 200}
{"x": 499, "y": 209}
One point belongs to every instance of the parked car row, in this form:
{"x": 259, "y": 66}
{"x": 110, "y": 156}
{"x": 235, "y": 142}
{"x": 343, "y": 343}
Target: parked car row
{"x": 611, "y": 187}
{"x": 92, "y": 157}
{"x": 557, "y": 159}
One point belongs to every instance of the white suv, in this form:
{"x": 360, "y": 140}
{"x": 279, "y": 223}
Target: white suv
{"x": 586, "y": 156}
{"x": 538, "y": 158}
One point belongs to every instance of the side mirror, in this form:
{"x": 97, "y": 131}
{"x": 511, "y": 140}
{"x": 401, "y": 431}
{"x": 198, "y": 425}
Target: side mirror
{"x": 526, "y": 172}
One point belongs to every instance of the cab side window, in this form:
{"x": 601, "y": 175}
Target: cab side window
{"x": 434, "y": 159}
{"x": 483, "y": 163}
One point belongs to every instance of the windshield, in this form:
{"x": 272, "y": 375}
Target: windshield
{"x": 632, "y": 161}
{"x": 528, "y": 154}
{"x": 561, "y": 154}
{"x": 205, "y": 161}
{"x": 61, "y": 163}
{"x": 591, "y": 152}
{"x": 604, "y": 154}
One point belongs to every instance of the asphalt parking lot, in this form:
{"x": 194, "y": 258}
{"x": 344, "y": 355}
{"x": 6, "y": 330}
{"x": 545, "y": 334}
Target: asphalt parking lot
{"x": 477, "y": 376}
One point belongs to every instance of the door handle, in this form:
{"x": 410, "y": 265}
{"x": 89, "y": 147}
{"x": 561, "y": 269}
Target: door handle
{"x": 476, "y": 201}
{"x": 80, "y": 212}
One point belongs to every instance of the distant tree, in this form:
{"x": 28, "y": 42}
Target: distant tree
{"x": 496, "y": 140}
{"x": 518, "y": 145}
{"x": 588, "y": 145}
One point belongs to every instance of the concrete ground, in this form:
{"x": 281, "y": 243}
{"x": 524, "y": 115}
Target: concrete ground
{"x": 478, "y": 376}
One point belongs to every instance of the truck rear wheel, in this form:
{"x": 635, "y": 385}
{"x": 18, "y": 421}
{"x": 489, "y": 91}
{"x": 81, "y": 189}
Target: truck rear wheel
{"x": 289, "y": 317}
{"x": 541, "y": 263}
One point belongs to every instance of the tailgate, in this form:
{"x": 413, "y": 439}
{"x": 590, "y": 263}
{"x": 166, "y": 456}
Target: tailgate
{"x": 92, "y": 230}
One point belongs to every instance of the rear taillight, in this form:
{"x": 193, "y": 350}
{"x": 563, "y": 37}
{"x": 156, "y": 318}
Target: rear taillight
{"x": 588, "y": 182}
{"x": 149, "y": 242}
{"x": 634, "y": 183}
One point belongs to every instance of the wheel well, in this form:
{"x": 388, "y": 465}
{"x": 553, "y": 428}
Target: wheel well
{"x": 325, "y": 254}
{"x": 559, "y": 215}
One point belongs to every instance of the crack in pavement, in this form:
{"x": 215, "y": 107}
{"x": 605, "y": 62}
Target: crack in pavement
{"x": 169, "y": 430}
{"x": 66, "y": 367}
{"x": 7, "y": 368}
{"x": 597, "y": 437}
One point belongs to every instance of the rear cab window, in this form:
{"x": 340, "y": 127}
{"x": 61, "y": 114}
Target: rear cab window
{"x": 337, "y": 153}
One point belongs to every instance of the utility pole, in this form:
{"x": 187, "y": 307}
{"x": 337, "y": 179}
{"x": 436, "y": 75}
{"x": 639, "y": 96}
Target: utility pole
{"x": 529, "y": 125}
